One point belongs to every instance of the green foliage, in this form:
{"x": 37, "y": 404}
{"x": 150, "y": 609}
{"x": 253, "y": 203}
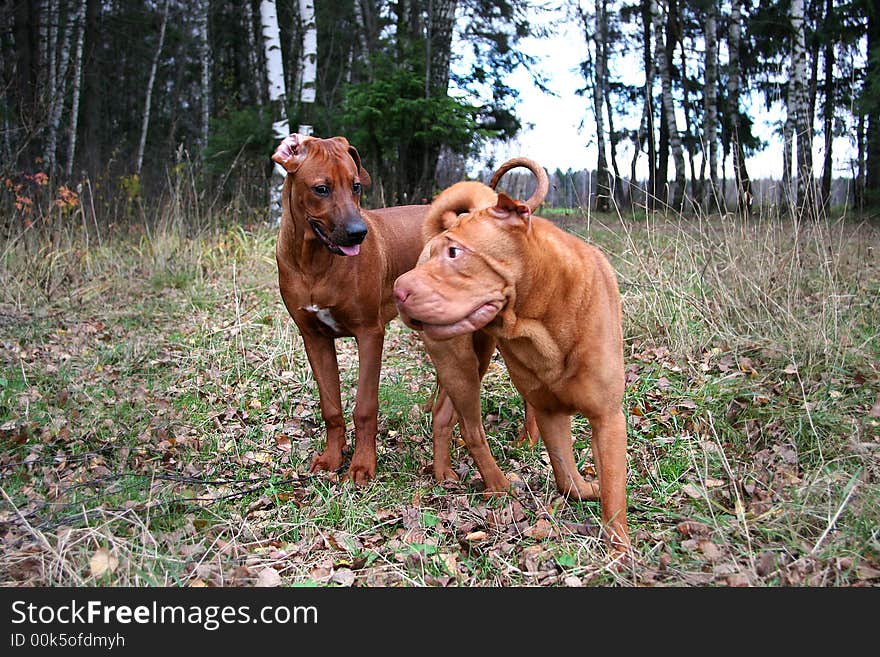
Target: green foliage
{"x": 239, "y": 136}
{"x": 393, "y": 110}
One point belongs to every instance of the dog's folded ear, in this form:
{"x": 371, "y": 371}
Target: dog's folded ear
{"x": 290, "y": 153}
{"x": 512, "y": 212}
{"x": 362, "y": 173}
{"x": 462, "y": 197}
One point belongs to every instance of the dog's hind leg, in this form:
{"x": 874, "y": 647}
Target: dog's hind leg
{"x": 556, "y": 432}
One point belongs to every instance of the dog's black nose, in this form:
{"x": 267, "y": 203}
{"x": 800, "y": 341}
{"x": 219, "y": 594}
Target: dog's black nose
{"x": 355, "y": 233}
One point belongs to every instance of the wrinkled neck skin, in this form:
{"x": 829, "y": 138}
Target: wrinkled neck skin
{"x": 532, "y": 288}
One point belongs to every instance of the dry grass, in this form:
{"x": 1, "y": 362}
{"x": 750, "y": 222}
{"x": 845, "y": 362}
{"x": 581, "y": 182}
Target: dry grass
{"x": 157, "y": 410}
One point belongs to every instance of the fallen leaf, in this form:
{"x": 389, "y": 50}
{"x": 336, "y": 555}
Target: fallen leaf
{"x": 692, "y": 491}
{"x": 476, "y": 536}
{"x": 875, "y": 410}
{"x": 709, "y": 549}
{"x": 343, "y": 577}
{"x": 102, "y": 561}
{"x": 693, "y": 528}
{"x": 573, "y": 581}
{"x": 540, "y": 530}
{"x": 268, "y": 577}
{"x": 282, "y": 442}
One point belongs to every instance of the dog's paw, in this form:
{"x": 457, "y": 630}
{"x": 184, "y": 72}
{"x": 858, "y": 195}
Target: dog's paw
{"x": 361, "y": 474}
{"x": 329, "y": 461}
{"x": 445, "y": 473}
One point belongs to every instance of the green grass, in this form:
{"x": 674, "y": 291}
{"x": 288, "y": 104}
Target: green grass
{"x": 155, "y": 400}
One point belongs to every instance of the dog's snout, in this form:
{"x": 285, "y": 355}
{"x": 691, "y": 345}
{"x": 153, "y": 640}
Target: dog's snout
{"x": 355, "y": 231}
{"x": 400, "y": 293}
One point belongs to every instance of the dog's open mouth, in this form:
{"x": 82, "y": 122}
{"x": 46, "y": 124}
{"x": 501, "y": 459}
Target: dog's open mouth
{"x": 474, "y": 321}
{"x": 332, "y": 246}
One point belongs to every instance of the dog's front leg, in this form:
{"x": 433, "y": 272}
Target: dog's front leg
{"x": 321, "y": 351}
{"x": 460, "y": 364}
{"x": 366, "y": 407}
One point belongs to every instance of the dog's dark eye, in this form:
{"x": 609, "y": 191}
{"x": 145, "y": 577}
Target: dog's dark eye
{"x": 321, "y": 190}
{"x": 356, "y": 188}
{"x": 454, "y": 252}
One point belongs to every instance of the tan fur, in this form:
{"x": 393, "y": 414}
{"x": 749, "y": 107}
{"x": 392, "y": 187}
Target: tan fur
{"x": 498, "y": 275}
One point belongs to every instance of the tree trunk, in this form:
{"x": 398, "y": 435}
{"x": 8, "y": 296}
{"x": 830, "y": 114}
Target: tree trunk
{"x": 57, "y": 91}
{"x": 145, "y": 122}
{"x": 309, "y": 64}
{"x": 743, "y": 182}
{"x": 93, "y": 98}
{"x": 803, "y": 118}
{"x": 872, "y": 145}
{"x": 603, "y": 189}
{"x": 275, "y": 85}
{"x": 710, "y": 97}
{"x": 205, "y": 61}
{"x": 664, "y": 69}
{"x": 247, "y": 17}
{"x": 646, "y": 126}
{"x": 76, "y": 83}
{"x": 25, "y": 36}
{"x": 613, "y": 141}
{"x": 789, "y": 199}
{"x": 828, "y": 110}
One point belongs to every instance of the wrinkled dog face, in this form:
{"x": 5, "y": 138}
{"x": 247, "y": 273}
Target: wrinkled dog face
{"x": 462, "y": 280}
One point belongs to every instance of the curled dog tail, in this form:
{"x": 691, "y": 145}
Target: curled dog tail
{"x": 543, "y": 183}
{"x": 461, "y": 197}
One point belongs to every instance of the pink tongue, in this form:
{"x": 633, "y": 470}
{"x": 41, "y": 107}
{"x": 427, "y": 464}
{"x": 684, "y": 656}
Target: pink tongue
{"x": 350, "y": 250}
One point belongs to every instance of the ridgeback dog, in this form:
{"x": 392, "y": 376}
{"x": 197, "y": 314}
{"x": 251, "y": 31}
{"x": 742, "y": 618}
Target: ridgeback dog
{"x": 337, "y": 264}
{"x": 493, "y": 273}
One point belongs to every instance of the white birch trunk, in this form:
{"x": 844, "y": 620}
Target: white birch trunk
{"x": 76, "y": 83}
{"x": 57, "y": 91}
{"x": 663, "y": 68}
{"x": 145, "y": 123}
{"x": 309, "y": 61}
{"x": 205, "y": 57}
{"x": 275, "y": 82}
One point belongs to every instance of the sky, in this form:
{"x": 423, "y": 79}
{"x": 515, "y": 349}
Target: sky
{"x": 559, "y": 131}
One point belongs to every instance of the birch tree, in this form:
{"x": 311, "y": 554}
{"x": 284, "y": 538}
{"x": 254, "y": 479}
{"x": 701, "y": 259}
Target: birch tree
{"x": 803, "y": 118}
{"x": 275, "y": 86}
{"x": 76, "y": 83}
{"x": 308, "y": 64}
{"x": 57, "y": 89}
{"x": 664, "y": 70}
{"x": 145, "y": 122}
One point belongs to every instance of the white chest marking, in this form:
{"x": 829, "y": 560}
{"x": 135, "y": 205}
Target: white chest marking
{"x": 323, "y": 315}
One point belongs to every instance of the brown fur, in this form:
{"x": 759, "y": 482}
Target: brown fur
{"x": 331, "y": 295}
{"x": 498, "y": 275}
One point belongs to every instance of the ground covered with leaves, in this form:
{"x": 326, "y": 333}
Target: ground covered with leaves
{"x": 157, "y": 419}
